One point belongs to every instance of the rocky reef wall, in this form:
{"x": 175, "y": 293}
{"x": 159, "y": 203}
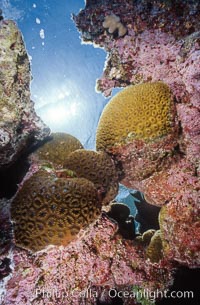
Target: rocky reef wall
{"x": 20, "y": 126}
{"x": 152, "y": 43}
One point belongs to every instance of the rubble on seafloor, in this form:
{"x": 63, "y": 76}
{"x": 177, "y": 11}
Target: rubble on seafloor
{"x": 104, "y": 263}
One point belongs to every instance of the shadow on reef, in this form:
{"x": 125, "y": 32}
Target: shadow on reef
{"x": 185, "y": 280}
{"x": 10, "y": 177}
{"x": 4, "y": 267}
{"x": 121, "y": 214}
{"x": 147, "y": 214}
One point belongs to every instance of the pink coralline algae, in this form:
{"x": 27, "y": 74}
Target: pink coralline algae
{"x": 162, "y": 44}
{"x": 98, "y": 261}
{"x": 19, "y": 126}
{"x": 182, "y": 241}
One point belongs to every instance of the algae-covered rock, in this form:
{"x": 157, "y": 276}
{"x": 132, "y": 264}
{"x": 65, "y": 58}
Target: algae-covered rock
{"x": 19, "y": 124}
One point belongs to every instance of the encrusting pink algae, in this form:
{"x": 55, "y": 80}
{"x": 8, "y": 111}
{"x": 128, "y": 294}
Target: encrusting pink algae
{"x": 157, "y": 60}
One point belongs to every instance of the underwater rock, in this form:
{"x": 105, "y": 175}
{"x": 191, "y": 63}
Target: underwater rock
{"x": 51, "y": 211}
{"x": 6, "y": 244}
{"x": 84, "y": 271}
{"x": 20, "y": 127}
{"x": 98, "y": 167}
{"x": 162, "y": 163}
{"x": 5, "y": 228}
{"x": 162, "y": 43}
{"x": 180, "y": 227}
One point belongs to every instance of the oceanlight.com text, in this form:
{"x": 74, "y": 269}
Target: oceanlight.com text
{"x": 151, "y": 295}
{"x": 136, "y": 293}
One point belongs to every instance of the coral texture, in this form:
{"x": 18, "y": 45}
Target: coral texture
{"x": 180, "y": 227}
{"x": 19, "y": 124}
{"x": 143, "y": 112}
{"x": 162, "y": 44}
{"x": 155, "y": 249}
{"x": 85, "y": 271}
{"x": 58, "y": 148}
{"x": 139, "y": 128}
{"x": 96, "y": 167}
{"x": 50, "y": 210}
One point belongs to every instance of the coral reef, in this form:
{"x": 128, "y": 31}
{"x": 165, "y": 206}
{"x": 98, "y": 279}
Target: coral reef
{"x": 165, "y": 167}
{"x": 155, "y": 146}
{"x": 146, "y": 113}
{"x": 138, "y": 127}
{"x": 112, "y": 23}
{"x": 56, "y": 150}
{"x": 162, "y": 43}
{"x": 5, "y": 228}
{"x": 99, "y": 262}
{"x": 180, "y": 227}
{"x": 49, "y": 210}
{"x": 20, "y": 126}
{"x": 155, "y": 249}
{"x": 5, "y": 245}
{"x": 96, "y": 167}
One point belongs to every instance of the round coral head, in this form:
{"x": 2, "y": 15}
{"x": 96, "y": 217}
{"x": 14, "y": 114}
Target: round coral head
{"x": 97, "y": 167}
{"x": 142, "y": 111}
{"x": 57, "y": 148}
{"x": 138, "y": 128}
{"x": 51, "y": 211}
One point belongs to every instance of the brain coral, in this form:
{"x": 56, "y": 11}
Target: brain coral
{"x": 50, "y": 210}
{"x": 57, "y": 149}
{"x": 142, "y": 111}
{"x": 139, "y": 128}
{"x": 96, "y": 167}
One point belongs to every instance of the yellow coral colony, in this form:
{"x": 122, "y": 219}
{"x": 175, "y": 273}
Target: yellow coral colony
{"x": 142, "y": 111}
{"x": 57, "y": 149}
{"x": 96, "y": 167}
{"x": 50, "y": 211}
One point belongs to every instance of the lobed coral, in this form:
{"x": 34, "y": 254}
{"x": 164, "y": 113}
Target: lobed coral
{"x": 58, "y": 148}
{"x": 112, "y": 23}
{"x": 97, "y": 167}
{"x": 50, "y": 210}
